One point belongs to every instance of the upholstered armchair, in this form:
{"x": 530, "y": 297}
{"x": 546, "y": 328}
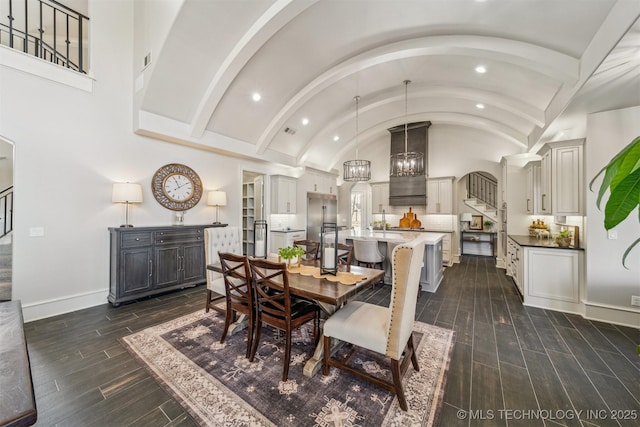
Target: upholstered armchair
{"x": 384, "y": 330}
{"x": 219, "y": 239}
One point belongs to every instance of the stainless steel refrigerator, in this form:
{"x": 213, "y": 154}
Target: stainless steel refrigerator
{"x": 320, "y": 208}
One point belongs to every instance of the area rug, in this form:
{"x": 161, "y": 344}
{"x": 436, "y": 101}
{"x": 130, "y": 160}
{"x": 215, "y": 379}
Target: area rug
{"x": 218, "y": 386}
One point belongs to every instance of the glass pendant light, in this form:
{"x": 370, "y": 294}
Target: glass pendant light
{"x": 406, "y": 163}
{"x": 357, "y": 170}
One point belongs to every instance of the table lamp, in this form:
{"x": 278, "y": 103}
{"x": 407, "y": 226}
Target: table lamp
{"x": 217, "y": 198}
{"x": 126, "y": 192}
{"x": 466, "y": 217}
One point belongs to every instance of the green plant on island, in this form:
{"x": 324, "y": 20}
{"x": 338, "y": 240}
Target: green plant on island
{"x": 290, "y": 252}
{"x": 622, "y": 179}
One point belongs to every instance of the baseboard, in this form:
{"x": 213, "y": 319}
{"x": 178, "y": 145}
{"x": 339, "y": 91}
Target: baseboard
{"x": 54, "y": 307}
{"x": 612, "y": 314}
{"x": 500, "y": 263}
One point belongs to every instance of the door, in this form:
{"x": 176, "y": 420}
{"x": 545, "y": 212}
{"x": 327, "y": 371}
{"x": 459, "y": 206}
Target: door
{"x": 167, "y": 260}
{"x": 137, "y": 271}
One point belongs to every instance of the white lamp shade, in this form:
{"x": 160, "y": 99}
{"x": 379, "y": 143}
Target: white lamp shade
{"x": 466, "y": 217}
{"x": 217, "y": 198}
{"x": 125, "y": 192}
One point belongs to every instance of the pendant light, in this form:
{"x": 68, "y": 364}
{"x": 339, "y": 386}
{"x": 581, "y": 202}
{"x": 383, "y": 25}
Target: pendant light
{"x": 407, "y": 163}
{"x": 357, "y": 170}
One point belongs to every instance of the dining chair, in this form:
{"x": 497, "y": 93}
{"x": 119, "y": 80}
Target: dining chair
{"x": 367, "y": 252}
{"x": 345, "y": 255}
{"x": 218, "y": 239}
{"x": 310, "y": 249}
{"x": 384, "y": 330}
{"x": 238, "y": 293}
{"x": 276, "y": 307}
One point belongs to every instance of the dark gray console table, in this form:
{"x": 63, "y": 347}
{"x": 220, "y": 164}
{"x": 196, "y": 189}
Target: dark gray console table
{"x": 149, "y": 260}
{"x": 471, "y": 237}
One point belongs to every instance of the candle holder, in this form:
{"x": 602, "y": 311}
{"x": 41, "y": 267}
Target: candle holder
{"x": 329, "y": 249}
{"x": 260, "y": 238}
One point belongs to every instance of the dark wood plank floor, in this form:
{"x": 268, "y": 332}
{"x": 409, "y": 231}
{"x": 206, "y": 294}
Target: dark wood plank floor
{"x": 509, "y": 360}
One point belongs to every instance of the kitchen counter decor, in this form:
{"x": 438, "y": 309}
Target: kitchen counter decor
{"x": 409, "y": 220}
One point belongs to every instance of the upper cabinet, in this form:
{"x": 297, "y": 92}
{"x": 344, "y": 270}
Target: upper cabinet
{"x": 319, "y": 182}
{"x": 283, "y": 194}
{"x": 380, "y": 197}
{"x": 533, "y": 187}
{"x": 562, "y": 178}
{"x": 440, "y": 195}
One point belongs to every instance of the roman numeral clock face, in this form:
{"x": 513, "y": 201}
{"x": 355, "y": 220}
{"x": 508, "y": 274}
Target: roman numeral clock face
{"x": 176, "y": 187}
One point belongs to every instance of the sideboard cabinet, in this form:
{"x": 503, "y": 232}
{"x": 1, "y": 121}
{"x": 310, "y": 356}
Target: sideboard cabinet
{"x": 145, "y": 261}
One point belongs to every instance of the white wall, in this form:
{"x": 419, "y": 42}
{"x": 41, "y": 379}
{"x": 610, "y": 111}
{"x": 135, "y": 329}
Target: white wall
{"x": 70, "y": 146}
{"x": 609, "y": 284}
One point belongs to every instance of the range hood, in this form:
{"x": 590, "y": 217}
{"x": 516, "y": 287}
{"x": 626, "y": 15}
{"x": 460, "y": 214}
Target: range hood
{"x": 409, "y": 190}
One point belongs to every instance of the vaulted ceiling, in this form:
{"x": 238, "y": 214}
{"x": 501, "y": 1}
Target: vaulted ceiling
{"x": 308, "y": 59}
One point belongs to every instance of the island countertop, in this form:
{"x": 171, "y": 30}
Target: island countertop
{"x": 392, "y": 236}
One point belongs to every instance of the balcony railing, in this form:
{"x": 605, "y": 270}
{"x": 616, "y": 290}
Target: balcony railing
{"x": 57, "y": 28}
{"x": 482, "y": 188}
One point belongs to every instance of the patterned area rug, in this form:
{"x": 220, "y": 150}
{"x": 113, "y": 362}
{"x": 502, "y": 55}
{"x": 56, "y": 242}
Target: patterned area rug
{"x": 218, "y": 386}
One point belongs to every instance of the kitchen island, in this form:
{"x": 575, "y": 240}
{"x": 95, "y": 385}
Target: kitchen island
{"x": 432, "y": 270}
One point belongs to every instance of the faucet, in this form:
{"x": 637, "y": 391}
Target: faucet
{"x": 384, "y": 221}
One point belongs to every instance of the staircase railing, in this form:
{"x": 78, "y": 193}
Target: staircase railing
{"x": 50, "y": 16}
{"x": 483, "y": 188}
{"x": 6, "y": 210}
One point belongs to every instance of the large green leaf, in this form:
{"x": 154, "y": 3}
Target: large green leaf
{"x": 613, "y": 161}
{"x": 622, "y": 200}
{"x": 630, "y": 162}
{"x": 626, "y": 253}
{"x": 612, "y": 170}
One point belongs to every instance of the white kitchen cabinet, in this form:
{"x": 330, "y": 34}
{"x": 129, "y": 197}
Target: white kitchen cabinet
{"x": 283, "y": 194}
{"x": 548, "y": 278}
{"x": 282, "y": 239}
{"x": 552, "y": 278}
{"x": 447, "y": 260}
{"x": 319, "y": 182}
{"x": 380, "y": 197}
{"x": 533, "y": 187}
{"x": 440, "y": 195}
{"x": 562, "y": 178}
{"x": 515, "y": 264}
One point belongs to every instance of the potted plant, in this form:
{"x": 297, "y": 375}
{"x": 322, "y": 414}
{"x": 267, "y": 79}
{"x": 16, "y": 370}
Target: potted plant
{"x": 488, "y": 225}
{"x": 289, "y": 253}
{"x": 622, "y": 179}
{"x": 563, "y": 238}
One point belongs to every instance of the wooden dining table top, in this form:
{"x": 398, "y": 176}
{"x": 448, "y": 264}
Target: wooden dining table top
{"x": 323, "y": 290}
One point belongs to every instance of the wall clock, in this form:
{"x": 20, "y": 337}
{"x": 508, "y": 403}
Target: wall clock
{"x": 176, "y": 187}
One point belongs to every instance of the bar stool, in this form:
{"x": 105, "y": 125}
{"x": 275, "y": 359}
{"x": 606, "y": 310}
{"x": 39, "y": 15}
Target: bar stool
{"x": 366, "y": 252}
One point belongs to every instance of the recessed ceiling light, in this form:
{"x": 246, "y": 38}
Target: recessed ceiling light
{"x": 336, "y": 138}
{"x": 305, "y": 121}
{"x": 256, "y": 97}
{"x": 480, "y": 106}
{"x": 481, "y": 69}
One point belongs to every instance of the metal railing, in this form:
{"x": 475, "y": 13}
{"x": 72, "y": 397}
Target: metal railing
{"x": 53, "y": 18}
{"x": 6, "y": 210}
{"x": 483, "y": 188}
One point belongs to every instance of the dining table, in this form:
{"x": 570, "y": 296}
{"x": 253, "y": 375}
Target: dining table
{"x": 328, "y": 294}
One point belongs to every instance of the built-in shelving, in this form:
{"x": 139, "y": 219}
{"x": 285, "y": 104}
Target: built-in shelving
{"x": 248, "y": 217}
